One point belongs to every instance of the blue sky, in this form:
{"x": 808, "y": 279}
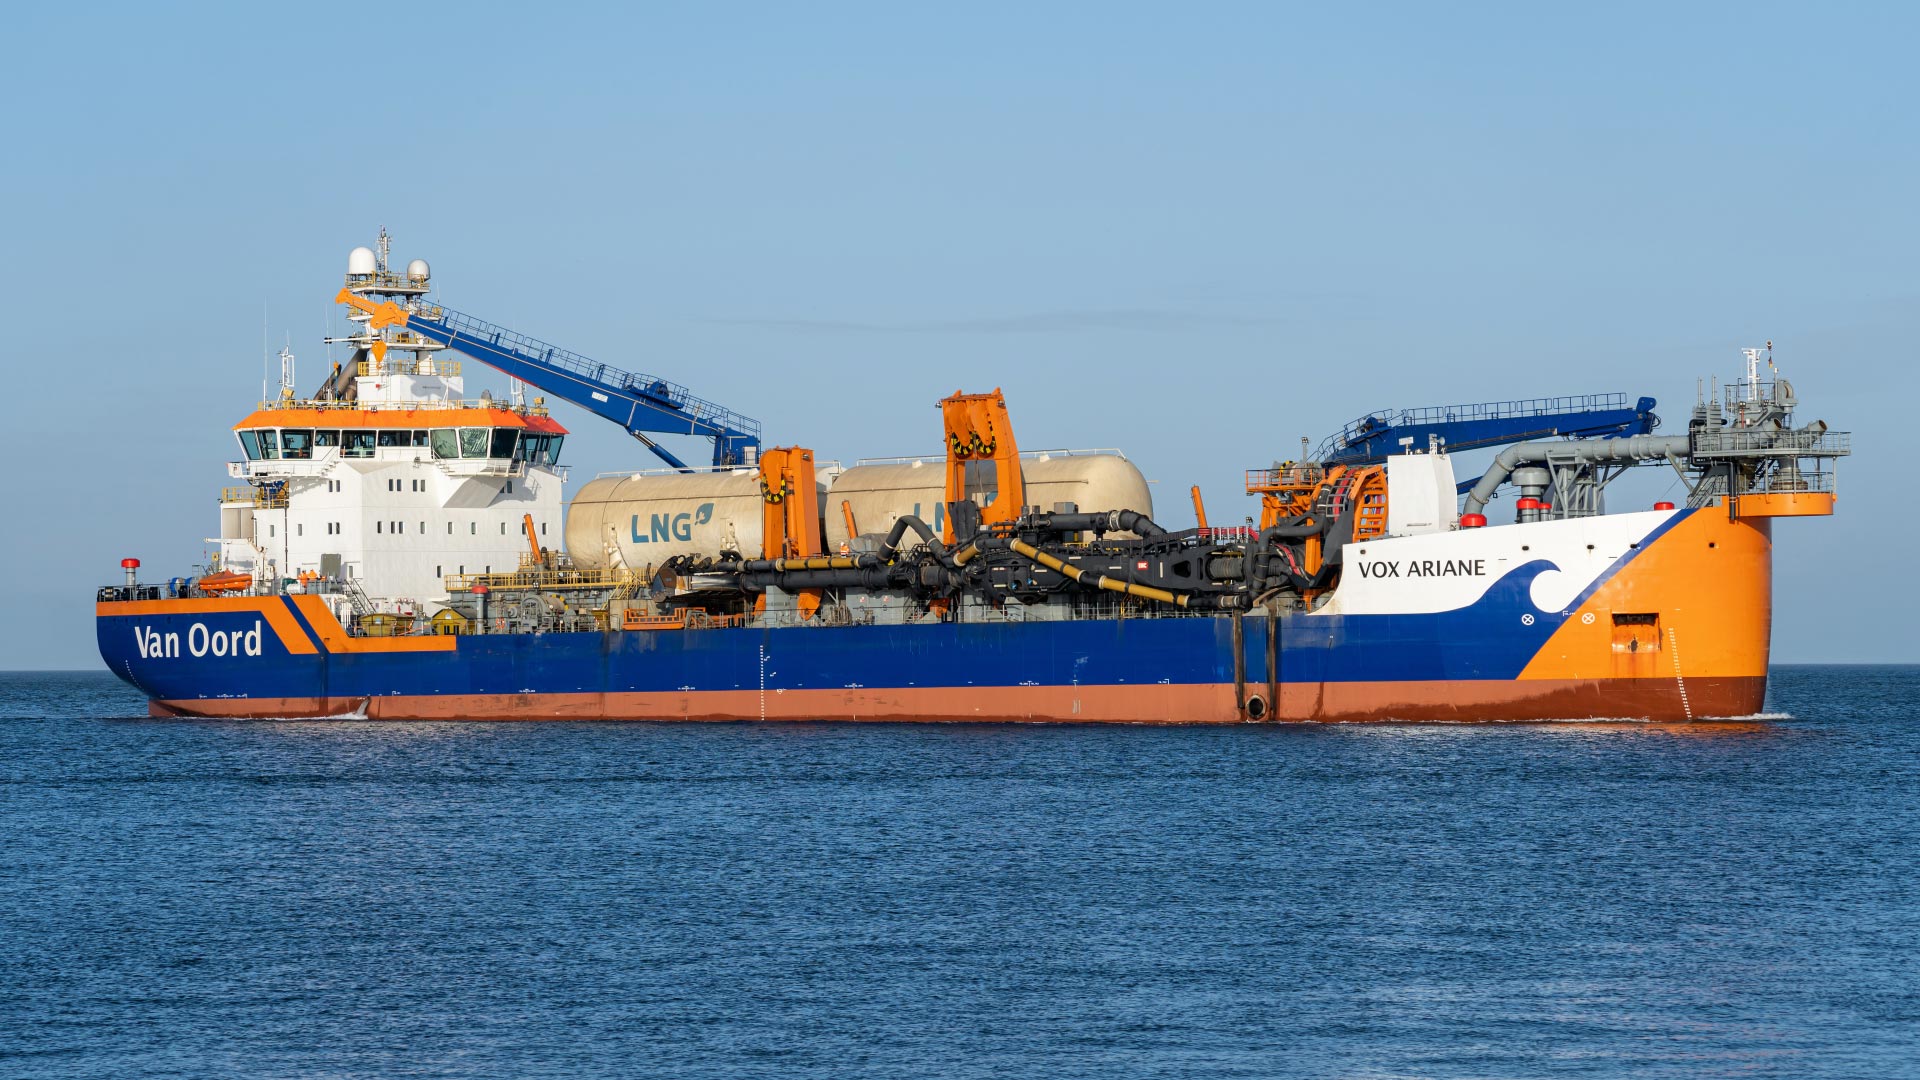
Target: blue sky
{"x": 1196, "y": 234}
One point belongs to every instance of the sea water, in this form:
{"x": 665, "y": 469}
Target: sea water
{"x": 355, "y": 899}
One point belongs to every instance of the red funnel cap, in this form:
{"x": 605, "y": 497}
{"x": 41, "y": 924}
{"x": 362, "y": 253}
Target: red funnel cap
{"x": 1663, "y": 506}
{"x": 1529, "y": 503}
{"x": 130, "y": 564}
{"x": 1473, "y": 521}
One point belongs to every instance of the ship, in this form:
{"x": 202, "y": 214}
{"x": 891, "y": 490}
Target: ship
{"x": 392, "y": 549}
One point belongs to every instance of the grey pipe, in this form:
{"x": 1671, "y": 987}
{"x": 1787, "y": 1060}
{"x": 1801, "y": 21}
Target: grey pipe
{"x": 900, "y": 527}
{"x": 1132, "y": 521}
{"x": 1586, "y": 451}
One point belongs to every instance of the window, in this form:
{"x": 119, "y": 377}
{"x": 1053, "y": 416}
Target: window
{"x": 296, "y": 444}
{"x": 358, "y": 444}
{"x": 538, "y": 449}
{"x": 543, "y": 528}
{"x": 299, "y": 530}
{"x": 250, "y": 445}
{"x": 419, "y": 438}
{"x": 449, "y": 528}
{"x": 423, "y": 528}
{"x": 503, "y": 528}
{"x": 473, "y": 442}
{"x": 270, "y": 529}
{"x": 473, "y": 528}
{"x": 326, "y": 438}
{"x": 503, "y": 440}
{"x": 394, "y": 438}
{"x": 269, "y": 444}
{"x": 446, "y": 443}
{"x": 377, "y": 526}
{"x": 436, "y": 571}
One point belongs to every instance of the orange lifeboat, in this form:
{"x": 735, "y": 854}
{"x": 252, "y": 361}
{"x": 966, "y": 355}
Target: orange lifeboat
{"x": 228, "y": 581}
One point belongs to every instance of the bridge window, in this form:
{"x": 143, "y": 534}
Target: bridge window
{"x": 326, "y": 438}
{"x": 395, "y": 438}
{"x": 540, "y": 449}
{"x": 358, "y": 444}
{"x": 473, "y": 442}
{"x": 296, "y": 444}
{"x": 419, "y": 438}
{"x": 269, "y": 444}
{"x": 250, "y": 445}
{"x": 446, "y": 443}
{"x": 503, "y": 440}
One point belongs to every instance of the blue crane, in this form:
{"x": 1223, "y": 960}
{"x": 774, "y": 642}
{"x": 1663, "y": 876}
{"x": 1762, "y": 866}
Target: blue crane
{"x": 642, "y": 404}
{"x": 1373, "y": 437}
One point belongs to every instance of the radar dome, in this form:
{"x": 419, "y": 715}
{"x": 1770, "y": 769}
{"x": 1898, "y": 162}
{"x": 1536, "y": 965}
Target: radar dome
{"x": 360, "y": 261}
{"x": 417, "y": 270}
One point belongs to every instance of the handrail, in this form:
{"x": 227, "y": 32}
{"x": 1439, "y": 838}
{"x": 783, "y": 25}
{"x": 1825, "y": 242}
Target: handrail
{"x": 1025, "y": 455}
{"x": 1744, "y": 442}
{"x": 672, "y": 394}
{"x": 1369, "y": 423}
{"x": 417, "y": 405}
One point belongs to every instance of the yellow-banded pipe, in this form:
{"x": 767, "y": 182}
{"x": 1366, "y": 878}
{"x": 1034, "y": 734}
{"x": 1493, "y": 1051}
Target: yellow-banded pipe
{"x": 818, "y": 562}
{"x": 1146, "y": 592}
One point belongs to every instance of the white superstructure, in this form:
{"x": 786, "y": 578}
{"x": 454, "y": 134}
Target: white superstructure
{"x": 389, "y": 480}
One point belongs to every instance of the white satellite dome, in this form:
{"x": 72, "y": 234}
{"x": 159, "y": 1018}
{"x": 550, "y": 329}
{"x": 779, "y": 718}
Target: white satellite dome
{"x": 417, "y": 270}
{"x": 360, "y": 261}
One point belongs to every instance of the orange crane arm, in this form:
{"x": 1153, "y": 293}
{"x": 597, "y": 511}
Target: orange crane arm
{"x": 979, "y": 429}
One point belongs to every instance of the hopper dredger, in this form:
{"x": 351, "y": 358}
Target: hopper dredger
{"x": 395, "y": 550}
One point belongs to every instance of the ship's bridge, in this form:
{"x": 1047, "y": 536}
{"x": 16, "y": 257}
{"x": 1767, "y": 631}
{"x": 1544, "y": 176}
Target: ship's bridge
{"x": 318, "y": 431}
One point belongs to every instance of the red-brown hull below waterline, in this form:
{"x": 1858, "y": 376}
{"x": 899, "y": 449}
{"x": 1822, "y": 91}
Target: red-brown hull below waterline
{"x": 1517, "y": 701}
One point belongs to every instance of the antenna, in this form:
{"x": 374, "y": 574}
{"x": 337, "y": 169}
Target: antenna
{"x": 1753, "y": 369}
{"x": 286, "y": 368}
{"x": 386, "y": 243}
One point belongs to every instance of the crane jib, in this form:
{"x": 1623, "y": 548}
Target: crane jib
{"x": 640, "y": 404}
{"x": 1373, "y": 438}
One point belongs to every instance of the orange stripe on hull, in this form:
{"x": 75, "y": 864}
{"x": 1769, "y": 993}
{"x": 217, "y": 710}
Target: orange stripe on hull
{"x": 279, "y": 619}
{"x": 1410, "y": 702}
{"x": 335, "y": 637}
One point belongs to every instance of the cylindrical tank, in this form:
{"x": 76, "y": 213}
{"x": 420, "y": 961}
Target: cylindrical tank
{"x": 879, "y": 495}
{"x": 360, "y": 261}
{"x": 640, "y": 521}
